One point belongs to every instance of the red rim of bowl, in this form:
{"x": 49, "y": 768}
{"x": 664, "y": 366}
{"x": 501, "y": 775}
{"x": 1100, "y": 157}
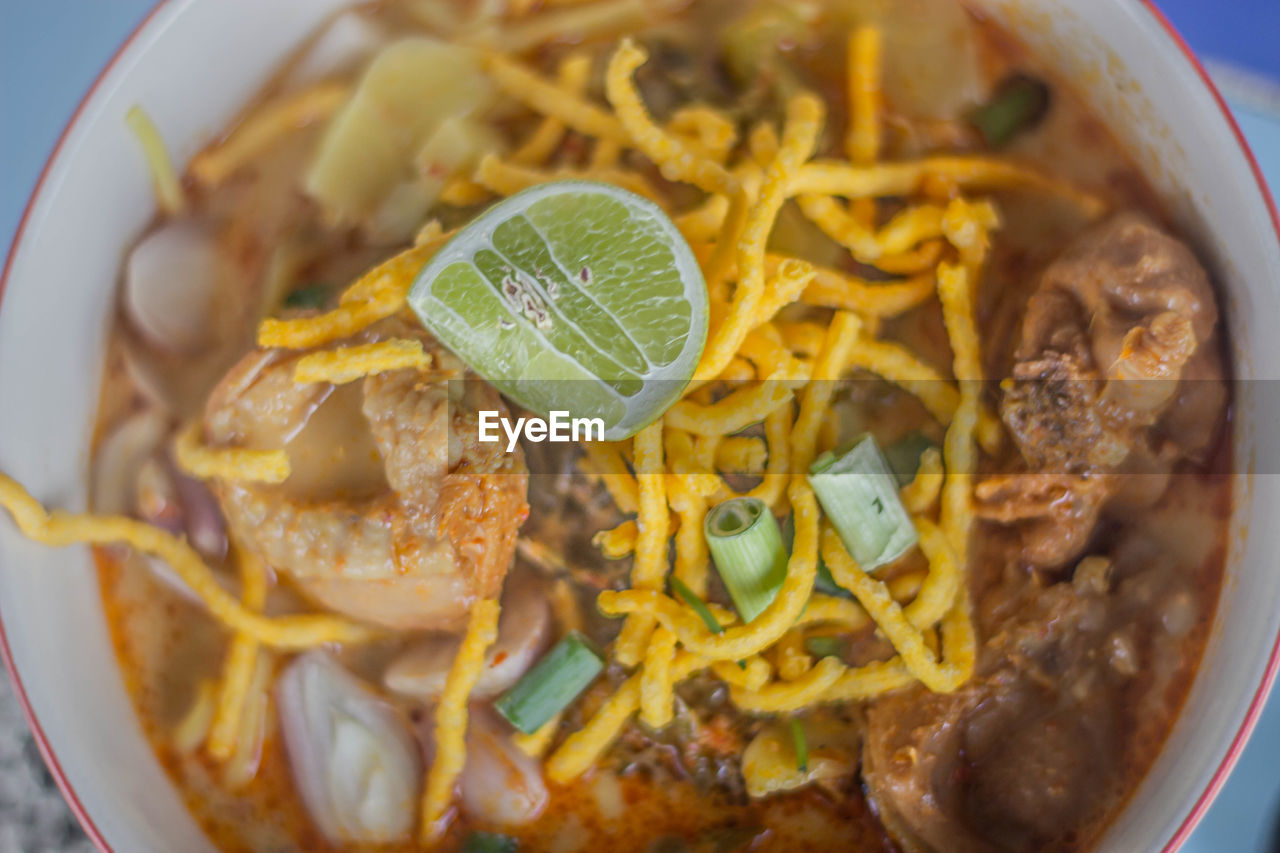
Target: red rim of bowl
{"x": 1184, "y": 829}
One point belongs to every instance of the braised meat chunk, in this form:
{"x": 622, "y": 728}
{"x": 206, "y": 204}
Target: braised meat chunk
{"x": 1010, "y": 761}
{"x": 1117, "y": 378}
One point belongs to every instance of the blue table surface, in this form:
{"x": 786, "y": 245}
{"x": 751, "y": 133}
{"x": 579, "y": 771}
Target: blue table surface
{"x": 51, "y": 50}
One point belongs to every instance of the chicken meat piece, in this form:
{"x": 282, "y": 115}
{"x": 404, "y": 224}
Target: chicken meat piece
{"x": 1117, "y": 378}
{"x": 394, "y": 512}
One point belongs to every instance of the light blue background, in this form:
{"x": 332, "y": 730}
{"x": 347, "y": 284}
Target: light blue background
{"x": 51, "y": 51}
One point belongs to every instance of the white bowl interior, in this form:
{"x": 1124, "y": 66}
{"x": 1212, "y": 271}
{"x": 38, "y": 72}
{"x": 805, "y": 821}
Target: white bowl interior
{"x": 192, "y": 67}
{"x": 197, "y": 61}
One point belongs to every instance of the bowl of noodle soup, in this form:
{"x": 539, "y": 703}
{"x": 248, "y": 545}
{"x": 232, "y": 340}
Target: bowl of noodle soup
{"x": 195, "y": 64}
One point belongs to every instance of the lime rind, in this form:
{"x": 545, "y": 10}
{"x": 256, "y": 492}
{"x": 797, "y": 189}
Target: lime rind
{"x": 575, "y": 296}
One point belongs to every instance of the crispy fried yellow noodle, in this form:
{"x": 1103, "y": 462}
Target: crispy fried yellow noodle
{"x": 740, "y": 641}
{"x": 451, "y": 718}
{"x": 804, "y": 120}
{"x": 347, "y": 364}
{"x": 227, "y": 463}
{"x": 656, "y": 688}
{"x": 651, "y": 544}
{"x": 63, "y": 528}
{"x": 237, "y": 669}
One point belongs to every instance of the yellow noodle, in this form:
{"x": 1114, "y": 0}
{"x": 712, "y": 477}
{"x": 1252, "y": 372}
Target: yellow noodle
{"x": 751, "y": 674}
{"x": 706, "y": 129}
{"x": 894, "y": 363}
{"x": 739, "y": 370}
{"x": 804, "y": 120}
{"x": 691, "y": 543}
{"x": 816, "y": 397}
{"x": 650, "y": 566}
{"x": 657, "y": 695}
{"x": 192, "y": 730}
{"x": 783, "y": 696}
{"x": 967, "y": 225}
{"x": 740, "y": 641}
{"x": 955, "y": 294}
{"x": 904, "y": 179}
{"x": 564, "y": 604}
{"x": 347, "y": 364}
{"x": 866, "y": 682}
{"x": 605, "y": 460}
{"x": 237, "y": 669}
{"x": 227, "y": 463}
{"x": 504, "y": 178}
{"x": 943, "y": 581}
{"x": 62, "y": 528}
{"x": 605, "y": 155}
{"x": 705, "y": 450}
{"x": 938, "y": 676}
{"x": 461, "y": 191}
{"x": 164, "y": 177}
{"x": 244, "y": 762}
{"x": 777, "y": 433}
{"x": 906, "y": 230}
{"x": 675, "y": 159}
{"x": 617, "y": 542}
{"x": 535, "y": 744}
{"x": 764, "y": 348}
{"x": 919, "y": 495}
{"x": 451, "y": 719}
{"x": 792, "y": 659}
{"x": 734, "y": 412}
{"x": 833, "y": 289}
{"x": 805, "y": 338}
{"x": 264, "y": 127}
{"x": 572, "y": 77}
{"x": 378, "y": 294}
{"x": 863, "y": 140}
{"x": 742, "y": 455}
{"x": 912, "y": 261}
{"x": 581, "y": 749}
{"x": 897, "y": 364}
{"x": 786, "y": 280}
{"x": 549, "y": 99}
{"x": 763, "y": 142}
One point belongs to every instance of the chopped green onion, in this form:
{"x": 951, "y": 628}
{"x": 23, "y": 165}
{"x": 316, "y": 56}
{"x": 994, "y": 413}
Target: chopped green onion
{"x": 489, "y": 842}
{"x": 746, "y": 545}
{"x": 1019, "y": 102}
{"x": 801, "y": 745}
{"x": 698, "y": 606}
{"x": 311, "y": 296}
{"x": 904, "y": 455}
{"x": 826, "y": 647}
{"x": 552, "y": 684}
{"x": 859, "y": 494}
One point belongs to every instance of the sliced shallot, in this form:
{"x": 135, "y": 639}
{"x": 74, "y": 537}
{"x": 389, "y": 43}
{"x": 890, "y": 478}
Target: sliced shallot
{"x": 355, "y": 761}
{"x": 172, "y": 278}
{"x": 499, "y": 785}
{"x": 119, "y": 458}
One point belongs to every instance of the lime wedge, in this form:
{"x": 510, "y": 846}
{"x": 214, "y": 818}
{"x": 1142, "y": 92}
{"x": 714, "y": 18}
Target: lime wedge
{"x": 571, "y": 296}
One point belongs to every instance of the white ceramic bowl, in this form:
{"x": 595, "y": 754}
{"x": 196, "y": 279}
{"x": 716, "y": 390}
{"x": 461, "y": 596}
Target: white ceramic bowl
{"x": 192, "y": 63}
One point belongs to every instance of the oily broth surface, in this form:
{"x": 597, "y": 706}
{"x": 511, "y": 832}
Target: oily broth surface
{"x": 165, "y": 646}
